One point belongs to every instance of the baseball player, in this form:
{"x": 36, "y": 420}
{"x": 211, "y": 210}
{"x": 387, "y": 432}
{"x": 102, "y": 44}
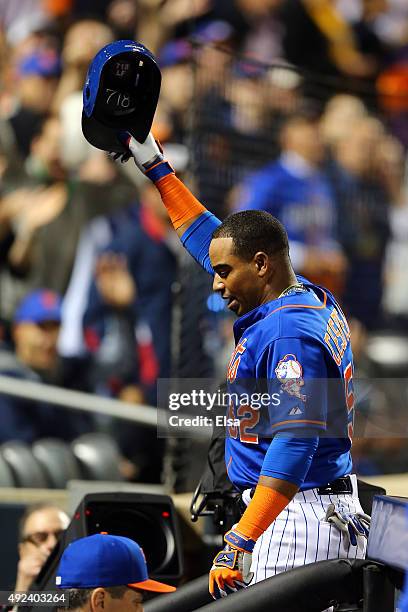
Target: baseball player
{"x": 302, "y": 501}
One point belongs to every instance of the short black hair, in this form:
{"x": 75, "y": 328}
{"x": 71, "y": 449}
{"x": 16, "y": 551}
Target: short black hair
{"x": 253, "y": 231}
{"x": 77, "y": 598}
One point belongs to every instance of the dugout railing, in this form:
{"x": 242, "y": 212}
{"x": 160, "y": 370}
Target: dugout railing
{"x": 142, "y": 414}
{"x": 103, "y": 411}
{"x": 348, "y": 585}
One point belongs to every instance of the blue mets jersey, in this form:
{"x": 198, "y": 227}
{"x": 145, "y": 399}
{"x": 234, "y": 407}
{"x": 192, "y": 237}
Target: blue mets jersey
{"x": 304, "y": 204}
{"x": 291, "y": 371}
{"x": 293, "y": 357}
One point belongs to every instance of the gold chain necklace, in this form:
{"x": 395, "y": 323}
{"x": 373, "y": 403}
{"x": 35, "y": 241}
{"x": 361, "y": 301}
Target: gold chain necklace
{"x": 285, "y": 291}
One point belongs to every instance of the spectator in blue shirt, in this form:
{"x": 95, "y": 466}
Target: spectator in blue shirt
{"x": 296, "y": 191}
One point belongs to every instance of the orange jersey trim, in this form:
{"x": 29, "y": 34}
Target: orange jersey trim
{"x": 323, "y": 423}
{"x": 300, "y": 306}
{"x": 229, "y": 465}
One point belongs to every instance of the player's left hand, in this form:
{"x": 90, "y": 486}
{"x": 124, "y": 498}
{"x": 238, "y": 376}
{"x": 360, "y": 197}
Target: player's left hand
{"x": 352, "y": 525}
{"x": 231, "y": 566}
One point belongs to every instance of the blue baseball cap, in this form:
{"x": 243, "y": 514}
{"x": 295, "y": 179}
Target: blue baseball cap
{"x": 175, "y": 52}
{"x": 103, "y": 560}
{"x": 39, "y": 306}
{"x": 45, "y": 63}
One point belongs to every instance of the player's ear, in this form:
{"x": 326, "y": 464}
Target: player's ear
{"x": 97, "y": 599}
{"x": 261, "y": 261}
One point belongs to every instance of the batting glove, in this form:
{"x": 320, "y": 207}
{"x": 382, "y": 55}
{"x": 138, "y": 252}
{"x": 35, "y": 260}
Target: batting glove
{"x": 148, "y": 155}
{"x": 352, "y": 525}
{"x": 231, "y": 567}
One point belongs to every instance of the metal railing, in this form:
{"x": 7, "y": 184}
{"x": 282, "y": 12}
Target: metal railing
{"x": 86, "y": 402}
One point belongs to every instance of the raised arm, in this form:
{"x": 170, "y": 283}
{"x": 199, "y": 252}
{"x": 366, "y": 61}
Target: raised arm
{"x": 193, "y": 223}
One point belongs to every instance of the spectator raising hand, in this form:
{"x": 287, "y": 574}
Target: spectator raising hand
{"x": 11, "y": 206}
{"x": 40, "y": 528}
{"x": 113, "y": 280}
{"x": 28, "y": 210}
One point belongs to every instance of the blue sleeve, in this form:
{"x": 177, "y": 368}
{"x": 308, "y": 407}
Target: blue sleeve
{"x": 289, "y": 457}
{"x": 296, "y": 375}
{"x": 196, "y": 239}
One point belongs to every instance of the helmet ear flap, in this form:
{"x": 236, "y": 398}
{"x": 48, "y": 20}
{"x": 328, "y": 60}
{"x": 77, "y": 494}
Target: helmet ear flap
{"x": 121, "y": 92}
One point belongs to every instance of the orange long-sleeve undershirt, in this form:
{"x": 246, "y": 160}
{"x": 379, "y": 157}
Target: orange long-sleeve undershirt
{"x": 181, "y": 204}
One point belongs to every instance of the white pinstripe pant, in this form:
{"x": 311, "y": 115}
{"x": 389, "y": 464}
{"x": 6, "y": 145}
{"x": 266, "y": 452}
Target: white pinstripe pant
{"x": 300, "y": 535}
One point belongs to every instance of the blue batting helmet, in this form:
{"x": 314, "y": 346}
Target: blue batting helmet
{"x": 121, "y": 92}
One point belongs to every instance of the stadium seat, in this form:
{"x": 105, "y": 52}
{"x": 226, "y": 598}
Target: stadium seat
{"x": 6, "y": 475}
{"x": 99, "y": 456}
{"x": 25, "y": 468}
{"x": 57, "y": 460}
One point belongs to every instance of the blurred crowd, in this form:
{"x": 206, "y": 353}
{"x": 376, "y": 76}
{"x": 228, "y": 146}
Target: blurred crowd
{"x": 297, "y": 107}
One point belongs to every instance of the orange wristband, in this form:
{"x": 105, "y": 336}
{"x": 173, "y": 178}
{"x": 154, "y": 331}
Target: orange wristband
{"x": 179, "y": 201}
{"x": 264, "y": 507}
